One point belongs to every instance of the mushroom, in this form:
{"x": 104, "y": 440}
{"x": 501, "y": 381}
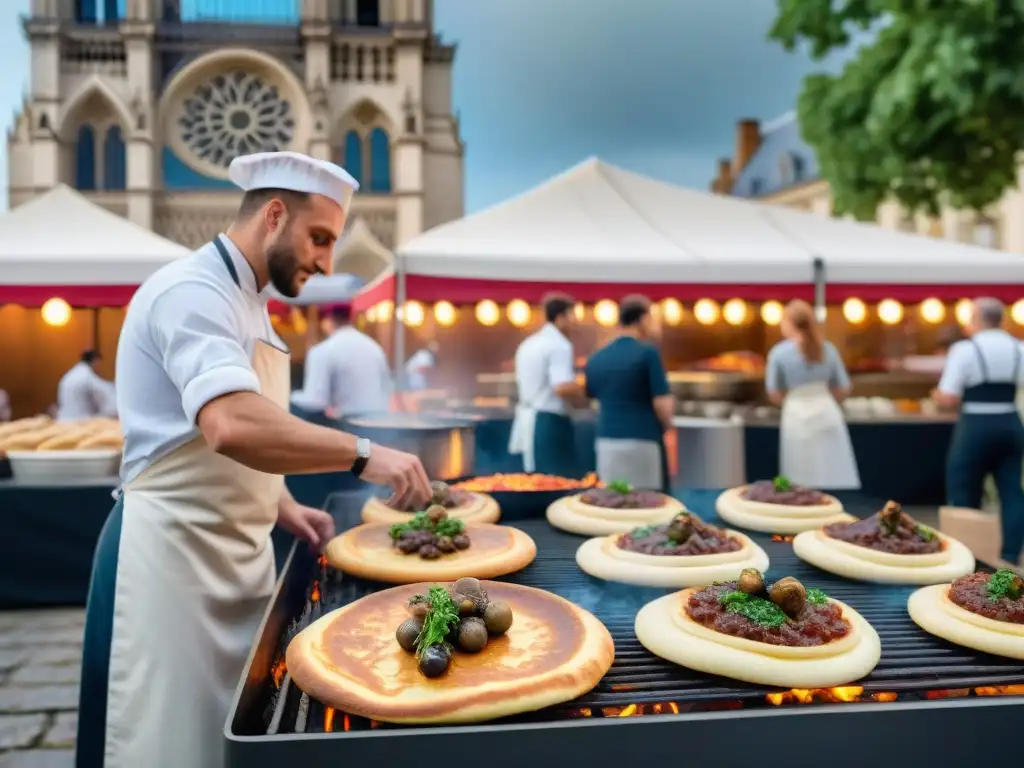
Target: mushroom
{"x": 498, "y": 618}
{"x": 790, "y": 595}
{"x": 440, "y": 492}
{"x": 750, "y": 581}
{"x": 429, "y": 552}
{"x": 434, "y": 661}
{"x": 469, "y": 595}
{"x": 890, "y": 517}
{"x": 445, "y": 544}
{"x": 418, "y": 606}
{"x": 408, "y": 633}
{"x": 436, "y": 513}
{"x": 472, "y": 634}
{"x": 680, "y": 529}
{"x": 461, "y": 541}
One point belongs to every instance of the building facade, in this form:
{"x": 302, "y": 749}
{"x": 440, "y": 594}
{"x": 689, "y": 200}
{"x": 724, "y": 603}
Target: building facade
{"x": 772, "y": 163}
{"x": 142, "y": 104}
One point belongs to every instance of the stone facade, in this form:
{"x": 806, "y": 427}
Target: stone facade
{"x": 143, "y": 113}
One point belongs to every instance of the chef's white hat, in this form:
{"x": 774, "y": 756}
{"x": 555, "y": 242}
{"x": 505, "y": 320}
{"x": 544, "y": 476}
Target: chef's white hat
{"x": 295, "y": 172}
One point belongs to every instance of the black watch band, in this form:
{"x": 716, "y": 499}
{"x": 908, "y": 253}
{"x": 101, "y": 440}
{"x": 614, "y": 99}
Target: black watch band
{"x": 362, "y": 456}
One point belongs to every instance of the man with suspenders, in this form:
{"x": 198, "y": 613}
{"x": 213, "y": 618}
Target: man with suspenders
{"x": 982, "y": 375}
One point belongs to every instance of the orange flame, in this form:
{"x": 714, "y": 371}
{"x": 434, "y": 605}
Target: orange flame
{"x": 322, "y": 561}
{"x": 277, "y": 671}
{"x": 328, "y": 719}
{"x": 810, "y": 696}
{"x": 784, "y": 539}
{"x": 1000, "y": 690}
{"x": 315, "y": 594}
{"x": 950, "y": 693}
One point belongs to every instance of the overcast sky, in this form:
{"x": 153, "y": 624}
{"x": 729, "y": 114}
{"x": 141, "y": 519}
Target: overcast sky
{"x": 653, "y": 85}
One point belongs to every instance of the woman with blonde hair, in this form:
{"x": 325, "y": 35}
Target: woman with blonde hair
{"x": 806, "y": 376}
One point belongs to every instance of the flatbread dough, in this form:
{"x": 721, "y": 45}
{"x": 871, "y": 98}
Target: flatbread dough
{"x": 570, "y": 514}
{"x": 933, "y": 611}
{"x": 603, "y": 559}
{"x": 666, "y": 630}
{"x": 481, "y": 508}
{"x": 366, "y": 551}
{"x": 780, "y": 519}
{"x": 864, "y": 564}
{"x": 350, "y": 660}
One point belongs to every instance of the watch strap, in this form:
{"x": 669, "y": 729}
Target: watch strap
{"x": 362, "y": 457}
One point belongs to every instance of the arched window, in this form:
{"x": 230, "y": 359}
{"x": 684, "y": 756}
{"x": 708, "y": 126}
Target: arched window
{"x": 354, "y": 155}
{"x": 113, "y": 159}
{"x": 85, "y": 159}
{"x": 380, "y": 161}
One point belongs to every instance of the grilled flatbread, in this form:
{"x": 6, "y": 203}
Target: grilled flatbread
{"x": 932, "y": 610}
{"x": 480, "y": 508}
{"x": 571, "y": 514}
{"x": 349, "y": 659}
{"x": 23, "y": 425}
{"x": 368, "y": 552}
{"x": 781, "y": 519}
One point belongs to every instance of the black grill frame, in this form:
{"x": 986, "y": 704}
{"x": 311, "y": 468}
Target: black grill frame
{"x": 912, "y": 662}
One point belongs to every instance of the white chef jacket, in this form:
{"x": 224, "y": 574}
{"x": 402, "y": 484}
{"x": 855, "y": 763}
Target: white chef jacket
{"x": 84, "y": 394}
{"x": 963, "y": 368}
{"x": 347, "y": 372}
{"x": 544, "y": 361}
{"x": 414, "y": 378}
{"x": 187, "y": 339}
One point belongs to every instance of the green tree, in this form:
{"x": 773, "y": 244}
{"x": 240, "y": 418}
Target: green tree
{"x": 930, "y": 110}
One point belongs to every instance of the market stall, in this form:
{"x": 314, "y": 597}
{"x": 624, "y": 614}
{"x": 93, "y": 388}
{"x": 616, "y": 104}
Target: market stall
{"x": 720, "y": 270}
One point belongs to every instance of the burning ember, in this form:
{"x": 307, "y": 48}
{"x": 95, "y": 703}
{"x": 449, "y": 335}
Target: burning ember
{"x": 783, "y": 539}
{"x": 278, "y": 671}
{"x": 826, "y": 696}
{"x": 314, "y": 596}
{"x": 1000, "y": 690}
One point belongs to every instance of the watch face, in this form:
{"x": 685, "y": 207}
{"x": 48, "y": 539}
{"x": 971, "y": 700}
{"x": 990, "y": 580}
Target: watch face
{"x": 363, "y": 448}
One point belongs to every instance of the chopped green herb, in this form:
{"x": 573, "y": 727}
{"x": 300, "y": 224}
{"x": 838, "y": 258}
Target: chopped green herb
{"x": 620, "y": 486}
{"x": 756, "y": 609}
{"x": 420, "y": 522}
{"x": 1005, "y": 583}
{"x": 732, "y": 599}
{"x": 816, "y": 596}
{"x": 450, "y": 526}
{"x": 926, "y": 533}
{"x": 441, "y": 617}
{"x": 781, "y": 484}
{"x": 642, "y": 532}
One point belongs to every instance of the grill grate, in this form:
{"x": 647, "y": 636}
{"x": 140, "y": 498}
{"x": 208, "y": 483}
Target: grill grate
{"x": 913, "y": 664}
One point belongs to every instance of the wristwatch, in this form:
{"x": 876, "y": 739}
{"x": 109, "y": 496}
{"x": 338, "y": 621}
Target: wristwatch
{"x": 362, "y": 456}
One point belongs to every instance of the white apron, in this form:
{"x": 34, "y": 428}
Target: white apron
{"x": 520, "y": 439}
{"x": 814, "y": 442}
{"x": 195, "y": 570}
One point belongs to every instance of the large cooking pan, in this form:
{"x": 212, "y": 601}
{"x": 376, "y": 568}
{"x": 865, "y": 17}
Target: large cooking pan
{"x": 729, "y": 386}
{"x": 445, "y": 445}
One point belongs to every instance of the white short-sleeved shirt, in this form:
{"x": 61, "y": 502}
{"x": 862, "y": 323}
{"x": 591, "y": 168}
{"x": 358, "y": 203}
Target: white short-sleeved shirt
{"x": 188, "y": 338}
{"x": 349, "y": 372}
{"x": 963, "y": 368}
{"x": 84, "y": 394}
{"x": 420, "y": 360}
{"x": 544, "y": 361}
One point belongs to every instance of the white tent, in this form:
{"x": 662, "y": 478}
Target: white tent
{"x": 597, "y": 223}
{"x": 60, "y": 238}
{"x": 323, "y": 289}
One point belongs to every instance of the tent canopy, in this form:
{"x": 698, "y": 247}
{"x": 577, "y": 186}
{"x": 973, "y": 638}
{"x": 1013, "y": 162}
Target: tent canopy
{"x": 61, "y": 238}
{"x": 323, "y": 289}
{"x": 597, "y": 223}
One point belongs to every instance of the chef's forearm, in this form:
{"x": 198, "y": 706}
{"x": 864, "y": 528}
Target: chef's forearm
{"x": 255, "y": 432}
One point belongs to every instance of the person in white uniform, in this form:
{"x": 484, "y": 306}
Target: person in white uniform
{"x": 542, "y": 431}
{"x": 347, "y": 374}
{"x": 806, "y": 376}
{"x": 185, "y": 565}
{"x": 982, "y": 376}
{"x": 83, "y": 394}
{"x": 419, "y": 365}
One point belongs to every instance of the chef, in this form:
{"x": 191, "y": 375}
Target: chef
{"x": 419, "y": 365}
{"x": 628, "y": 379}
{"x": 806, "y": 376}
{"x": 347, "y": 374}
{"x": 982, "y": 376}
{"x": 83, "y": 394}
{"x": 184, "y": 565}
{"x": 542, "y": 431}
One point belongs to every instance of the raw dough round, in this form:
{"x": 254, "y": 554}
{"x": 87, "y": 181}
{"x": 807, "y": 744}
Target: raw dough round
{"x": 366, "y": 551}
{"x": 864, "y": 564}
{"x": 350, "y": 660}
{"x": 572, "y": 515}
{"x": 481, "y": 508}
{"x": 780, "y": 519}
{"x": 604, "y": 559}
{"x": 933, "y": 611}
{"x": 666, "y": 630}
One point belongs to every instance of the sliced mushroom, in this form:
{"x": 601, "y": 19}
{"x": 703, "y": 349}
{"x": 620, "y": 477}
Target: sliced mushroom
{"x": 751, "y": 581}
{"x": 790, "y": 595}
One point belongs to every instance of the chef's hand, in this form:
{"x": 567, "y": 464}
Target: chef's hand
{"x": 402, "y": 473}
{"x": 313, "y": 526}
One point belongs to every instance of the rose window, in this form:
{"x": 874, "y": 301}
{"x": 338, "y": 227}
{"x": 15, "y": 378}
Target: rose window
{"x": 235, "y": 114}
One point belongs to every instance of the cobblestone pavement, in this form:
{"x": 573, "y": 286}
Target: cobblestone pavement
{"x": 40, "y": 657}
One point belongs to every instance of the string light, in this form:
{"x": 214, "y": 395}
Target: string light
{"x": 890, "y": 311}
{"x": 487, "y": 313}
{"x": 606, "y": 313}
{"x": 735, "y": 311}
{"x": 771, "y": 312}
{"x": 706, "y": 311}
{"x": 444, "y": 313}
{"x": 855, "y": 311}
{"x": 932, "y": 311}
{"x": 56, "y": 312}
{"x": 671, "y": 311}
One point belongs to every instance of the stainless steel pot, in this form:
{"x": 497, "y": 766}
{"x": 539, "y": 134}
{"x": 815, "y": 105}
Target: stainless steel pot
{"x": 446, "y": 446}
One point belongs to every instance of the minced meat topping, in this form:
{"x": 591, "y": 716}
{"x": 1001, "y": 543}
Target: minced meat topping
{"x": 781, "y": 491}
{"x": 612, "y": 498}
{"x": 998, "y": 596}
{"x": 687, "y": 534}
{"x": 724, "y": 608}
{"x": 891, "y": 530}
{"x": 454, "y": 499}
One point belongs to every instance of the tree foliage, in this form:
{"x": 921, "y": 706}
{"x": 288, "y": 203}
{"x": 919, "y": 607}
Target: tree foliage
{"x": 929, "y": 111}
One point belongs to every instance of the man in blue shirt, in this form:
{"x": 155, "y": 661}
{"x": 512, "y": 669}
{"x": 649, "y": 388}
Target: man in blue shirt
{"x": 628, "y": 380}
